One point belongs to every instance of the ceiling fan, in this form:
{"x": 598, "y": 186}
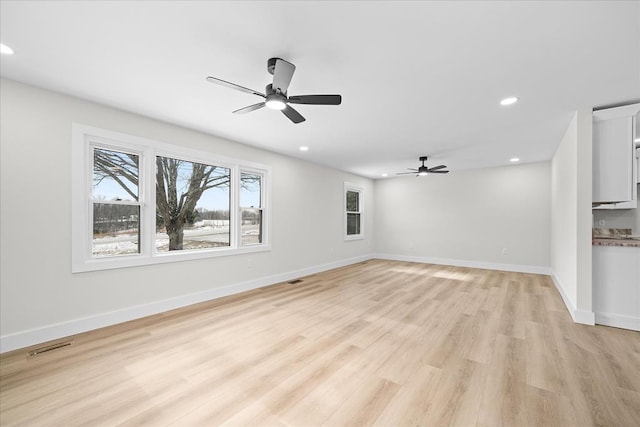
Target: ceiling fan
{"x": 276, "y": 93}
{"x": 424, "y": 170}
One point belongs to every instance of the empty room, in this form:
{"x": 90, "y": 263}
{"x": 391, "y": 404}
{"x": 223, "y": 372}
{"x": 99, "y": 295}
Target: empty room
{"x": 319, "y": 213}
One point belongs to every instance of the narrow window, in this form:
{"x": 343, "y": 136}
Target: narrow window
{"x": 251, "y": 211}
{"x": 192, "y": 205}
{"x": 353, "y": 212}
{"x": 115, "y": 203}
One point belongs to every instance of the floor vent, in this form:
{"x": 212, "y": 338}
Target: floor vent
{"x": 293, "y": 282}
{"x": 51, "y": 347}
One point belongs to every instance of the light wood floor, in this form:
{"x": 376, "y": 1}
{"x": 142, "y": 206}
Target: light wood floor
{"x": 378, "y": 343}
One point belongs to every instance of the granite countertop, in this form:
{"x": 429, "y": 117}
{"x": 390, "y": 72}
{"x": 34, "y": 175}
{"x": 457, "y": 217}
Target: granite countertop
{"x": 614, "y": 237}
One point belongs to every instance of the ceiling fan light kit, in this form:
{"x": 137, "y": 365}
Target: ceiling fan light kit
{"x": 424, "y": 170}
{"x": 275, "y": 103}
{"x": 276, "y": 92}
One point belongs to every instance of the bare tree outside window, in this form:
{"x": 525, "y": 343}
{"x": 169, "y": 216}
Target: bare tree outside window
{"x": 115, "y": 203}
{"x": 192, "y": 204}
{"x": 180, "y": 185}
{"x": 135, "y": 202}
{"x": 115, "y": 167}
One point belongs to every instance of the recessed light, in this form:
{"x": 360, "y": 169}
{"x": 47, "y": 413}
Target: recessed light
{"x": 304, "y": 148}
{"x": 385, "y": 174}
{"x": 5, "y": 50}
{"x": 514, "y": 159}
{"x": 509, "y": 101}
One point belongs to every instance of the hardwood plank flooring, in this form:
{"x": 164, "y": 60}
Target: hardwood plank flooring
{"x": 379, "y": 343}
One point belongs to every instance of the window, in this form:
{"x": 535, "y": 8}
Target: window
{"x": 137, "y": 202}
{"x": 353, "y": 208}
{"x": 192, "y": 205}
{"x": 251, "y": 208}
{"x": 115, "y": 203}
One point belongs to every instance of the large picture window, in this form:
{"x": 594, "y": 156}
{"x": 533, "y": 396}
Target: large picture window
{"x": 192, "y": 205}
{"x": 151, "y": 202}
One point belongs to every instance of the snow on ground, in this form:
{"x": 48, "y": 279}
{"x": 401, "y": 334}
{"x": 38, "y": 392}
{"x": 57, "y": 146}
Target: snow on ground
{"x": 204, "y": 235}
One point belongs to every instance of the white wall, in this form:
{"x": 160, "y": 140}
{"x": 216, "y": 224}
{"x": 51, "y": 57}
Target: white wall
{"x": 584, "y": 217}
{"x": 42, "y": 300}
{"x": 571, "y": 217}
{"x": 564, "y": 175}
{"x": 468, "y": 217}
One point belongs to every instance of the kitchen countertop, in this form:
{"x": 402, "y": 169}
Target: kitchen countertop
{"x": 632, "y": 243}
{"x": 614, "y": 237}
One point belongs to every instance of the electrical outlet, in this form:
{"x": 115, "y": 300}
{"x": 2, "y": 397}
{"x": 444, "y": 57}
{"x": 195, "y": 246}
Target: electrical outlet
{"x": 505, "y": 251}
{"x": 601, "y": 223}
{"x": 249, "y": 263}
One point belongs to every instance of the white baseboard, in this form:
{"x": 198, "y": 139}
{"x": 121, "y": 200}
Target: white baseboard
{"x": 471, "y": 264}
{"x": 578, "y": 316}
{"x": 60, "y": 330}
{"x": 585, "y": 317}
{"x": 618, "y": 321}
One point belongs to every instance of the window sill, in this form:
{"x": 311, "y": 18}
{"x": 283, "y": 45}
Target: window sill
{"x": 354, "y": 237}
{"x": 126, "y": 261}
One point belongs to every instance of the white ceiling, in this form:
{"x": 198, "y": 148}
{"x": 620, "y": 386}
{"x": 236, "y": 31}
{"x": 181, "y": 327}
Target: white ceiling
{"x": 417, "y": 78}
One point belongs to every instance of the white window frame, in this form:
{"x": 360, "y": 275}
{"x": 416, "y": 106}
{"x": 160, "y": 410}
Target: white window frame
{"x": 100, "y": 143}
{"x": 348, "y": 186}
{"x": 85, "y": 137}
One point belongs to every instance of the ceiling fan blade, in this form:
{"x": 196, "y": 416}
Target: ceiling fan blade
{"x": 316, "y": 99}
{"x": 282, "y": 75}
{"x": 438, "y": 171}
{"x": 435, "y": 168}
{"x": 250, "y": 108}
{"x": 293, "y": 115}
{"x": 234, "y": 86}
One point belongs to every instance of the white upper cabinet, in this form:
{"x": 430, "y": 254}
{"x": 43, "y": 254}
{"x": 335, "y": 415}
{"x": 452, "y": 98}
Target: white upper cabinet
{"x": 614, "y": 174}
{"x": 612, "y": 160}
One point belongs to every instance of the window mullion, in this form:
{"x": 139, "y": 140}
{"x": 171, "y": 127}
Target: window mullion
{"x": 235, "y": 215}
{"x": 264, "y": 213}
{"x": 148, "y": 203}
{"x": 88, "y": 250}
